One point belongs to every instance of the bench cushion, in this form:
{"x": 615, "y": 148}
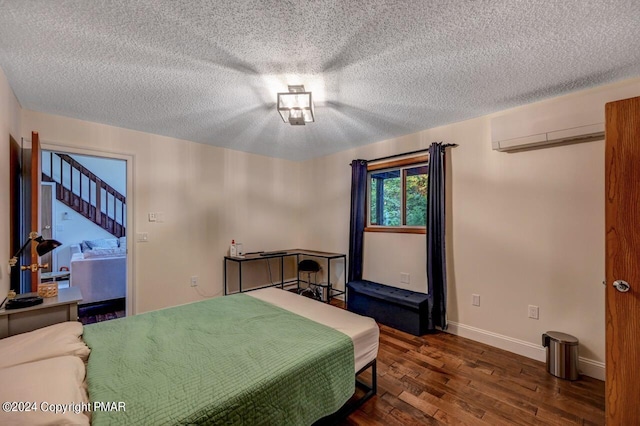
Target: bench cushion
{"x": 390, "y": 294}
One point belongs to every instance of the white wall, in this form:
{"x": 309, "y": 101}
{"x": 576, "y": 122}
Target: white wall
{"x": 208, "y": 195}
{"x": 523, "y": 228}
{"x": 10, "y": 116}
{"x": 408, "y": 248}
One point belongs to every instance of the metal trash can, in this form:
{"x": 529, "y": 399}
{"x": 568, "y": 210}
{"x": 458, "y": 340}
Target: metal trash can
{"x": 562, "y": 354}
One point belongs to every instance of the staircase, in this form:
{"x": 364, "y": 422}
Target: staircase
{"x": 84, "y": 192}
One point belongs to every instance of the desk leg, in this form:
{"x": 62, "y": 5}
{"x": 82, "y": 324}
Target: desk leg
{"x": 346, "y": 271}
{"x": 328, "y": 280}
{"x": 225, "y": 277}
{"x": 298, "y": 272}
{"x": 73, "y": 311}
{"x": 282, "y": 272}
{"x": 239, "y": 277}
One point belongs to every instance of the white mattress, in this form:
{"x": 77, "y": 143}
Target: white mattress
{"x": 363, "y": 331}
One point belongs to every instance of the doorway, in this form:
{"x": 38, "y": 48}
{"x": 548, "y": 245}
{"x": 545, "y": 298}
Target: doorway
{"x": 84, "y": 206}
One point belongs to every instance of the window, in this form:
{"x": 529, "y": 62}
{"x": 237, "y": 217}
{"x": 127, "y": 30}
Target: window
{"x": 397, "y": 196}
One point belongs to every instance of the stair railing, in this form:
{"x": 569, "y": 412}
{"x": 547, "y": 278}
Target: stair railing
{"x": 86, "y": 193}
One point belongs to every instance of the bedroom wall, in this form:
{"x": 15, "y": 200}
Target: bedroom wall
{"x": 10, "y": 116}
{"x": 523, "y": 228}
{"x": 208, "y": 195}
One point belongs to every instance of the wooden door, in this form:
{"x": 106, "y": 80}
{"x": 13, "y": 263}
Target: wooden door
{"x": 622, "y": 220}
{"x": 36, "y": 177}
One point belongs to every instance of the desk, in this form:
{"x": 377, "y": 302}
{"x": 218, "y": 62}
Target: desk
{"x": 280, "y": 255}
{"x": 52, "y": 310}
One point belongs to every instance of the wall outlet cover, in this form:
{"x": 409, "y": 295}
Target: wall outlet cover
{"x": 475, "y": 300}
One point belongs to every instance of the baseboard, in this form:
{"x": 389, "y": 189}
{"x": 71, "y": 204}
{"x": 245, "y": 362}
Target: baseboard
{"x": 586, "y": 366}
{"x": 591, "y": 368}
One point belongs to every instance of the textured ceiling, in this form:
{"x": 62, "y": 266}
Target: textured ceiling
{"x": 209, "y": 71}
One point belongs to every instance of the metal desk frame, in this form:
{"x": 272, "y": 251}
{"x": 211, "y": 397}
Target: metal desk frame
{"x": 331, "y": 292}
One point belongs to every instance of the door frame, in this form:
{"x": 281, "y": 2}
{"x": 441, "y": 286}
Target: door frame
{"x": 54, "y": 259}
{"x": 130, "y": 306}
{"x": 35, "y": 196}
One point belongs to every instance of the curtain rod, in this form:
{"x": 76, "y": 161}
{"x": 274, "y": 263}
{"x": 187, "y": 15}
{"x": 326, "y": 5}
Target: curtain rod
{"x": 446, "y": 145}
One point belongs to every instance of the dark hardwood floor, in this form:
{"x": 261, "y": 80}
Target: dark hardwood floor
{"x": 104, "y": 311}
{"x": 445, "y": 379}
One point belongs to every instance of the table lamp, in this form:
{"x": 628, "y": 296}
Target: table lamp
{"x": 43, "y": 247}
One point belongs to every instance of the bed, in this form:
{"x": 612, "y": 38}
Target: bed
{"x": 263, "y": 357}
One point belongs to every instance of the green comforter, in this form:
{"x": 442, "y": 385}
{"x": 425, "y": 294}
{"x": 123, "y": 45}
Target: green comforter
{"x": 229, "y": 360}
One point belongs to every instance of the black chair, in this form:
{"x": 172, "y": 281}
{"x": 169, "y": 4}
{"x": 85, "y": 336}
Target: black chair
{"x": 308, "y": 266}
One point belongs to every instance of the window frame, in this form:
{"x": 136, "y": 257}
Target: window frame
{"x": 401, "y": 164}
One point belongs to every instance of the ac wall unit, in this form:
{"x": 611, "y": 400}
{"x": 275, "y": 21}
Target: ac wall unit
{"x": 570, "y": 120}
{"x": 588, "y": 133}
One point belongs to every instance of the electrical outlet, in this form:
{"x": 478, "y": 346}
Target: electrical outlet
{"x": 194, "y": 281}
{"x": 534, "y": 312}
{"x": 404, "y": 278}
{"x": 142, "y": 237}
{"x": 475, "y": 300}
{"x": 153, "y": 217}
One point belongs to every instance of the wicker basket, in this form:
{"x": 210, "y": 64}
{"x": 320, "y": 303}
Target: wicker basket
{"x": 48, "y": 289}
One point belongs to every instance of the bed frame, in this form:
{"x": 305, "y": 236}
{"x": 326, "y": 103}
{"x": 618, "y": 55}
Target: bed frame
{"x": 370, "y": 389}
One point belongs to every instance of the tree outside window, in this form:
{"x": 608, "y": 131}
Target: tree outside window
{"x": 397, "y": 198}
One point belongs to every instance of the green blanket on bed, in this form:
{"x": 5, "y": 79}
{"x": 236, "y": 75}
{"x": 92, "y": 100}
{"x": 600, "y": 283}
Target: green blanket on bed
{"x": 228, "y": 360}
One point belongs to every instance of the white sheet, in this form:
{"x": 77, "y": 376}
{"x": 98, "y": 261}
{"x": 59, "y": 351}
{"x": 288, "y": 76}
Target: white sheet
{"x": 363, "y": 331}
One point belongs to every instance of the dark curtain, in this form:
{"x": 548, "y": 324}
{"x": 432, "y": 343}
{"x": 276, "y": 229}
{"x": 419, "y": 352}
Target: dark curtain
{"x": 356, "y": 229}
{"x": 436, "y": 258}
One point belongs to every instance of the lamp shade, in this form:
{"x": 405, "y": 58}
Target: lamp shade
{"x": 45, "y": 246}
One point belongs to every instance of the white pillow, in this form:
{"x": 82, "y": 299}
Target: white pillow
{"x": 48, "y": 342}
{"x": 51, "y": 381}
{"x": 105, "y": 252}
{"x": 102, "y": 243}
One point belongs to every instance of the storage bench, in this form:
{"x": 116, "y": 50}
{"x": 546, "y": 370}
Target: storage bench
{"x": 398, "y": 308}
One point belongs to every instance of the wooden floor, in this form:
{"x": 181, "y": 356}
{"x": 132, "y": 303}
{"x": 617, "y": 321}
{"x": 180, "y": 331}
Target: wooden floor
{"x": 91, "y": 314}
{"x": 445, "y": 379}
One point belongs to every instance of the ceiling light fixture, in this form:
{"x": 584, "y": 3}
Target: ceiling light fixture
{"x": 295, "y": 107}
